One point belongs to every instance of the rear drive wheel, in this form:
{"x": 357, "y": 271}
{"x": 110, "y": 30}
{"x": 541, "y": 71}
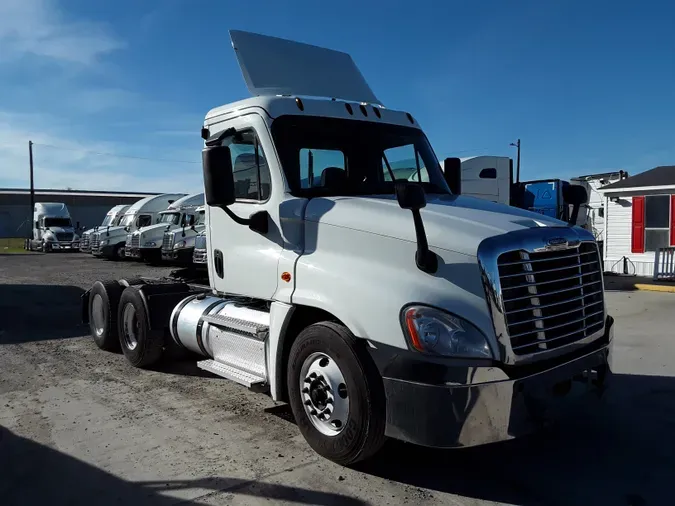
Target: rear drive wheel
{"x": 103, "y": 303}
{"x": 336, "y": 394}
{"x": 141, "y": 346}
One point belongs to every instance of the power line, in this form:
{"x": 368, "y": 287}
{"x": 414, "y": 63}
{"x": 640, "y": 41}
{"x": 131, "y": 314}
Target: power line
{"x": 113, "y": 154}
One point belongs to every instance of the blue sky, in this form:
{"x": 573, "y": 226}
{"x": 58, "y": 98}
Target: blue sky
{"x": 587, "y": 86}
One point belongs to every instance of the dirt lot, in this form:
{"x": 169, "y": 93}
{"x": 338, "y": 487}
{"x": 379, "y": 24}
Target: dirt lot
{"x": 80, "y": 426}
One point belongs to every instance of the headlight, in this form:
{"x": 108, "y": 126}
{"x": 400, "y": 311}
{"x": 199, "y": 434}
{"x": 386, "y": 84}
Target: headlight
{"x": 104, "y": 242}
{"x": 180, "y": 244}
{"x": 50, "y": 238}
{"x": 149, "y": 244}
{"x": 436, "y": 332}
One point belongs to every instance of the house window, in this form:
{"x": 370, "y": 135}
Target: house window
{"x": 657, "y": 222}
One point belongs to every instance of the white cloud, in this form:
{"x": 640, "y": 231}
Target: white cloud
{"x": 40, "y": 28}
{"x": 60, "y": 162}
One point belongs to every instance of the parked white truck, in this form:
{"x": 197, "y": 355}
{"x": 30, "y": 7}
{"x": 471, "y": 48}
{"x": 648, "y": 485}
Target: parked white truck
{"x": 200, "y": 253}
{"x": 112, "y": 219}
{"x": 178, "y": 244}
{"x": 146, "y": 242}
{"x": 374, "y": 308}
{"x": 52, "y": 228}
{"x": 110, "y": 243}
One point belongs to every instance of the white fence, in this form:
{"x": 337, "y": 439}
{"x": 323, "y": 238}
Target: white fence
{"x": 664, "y": 264}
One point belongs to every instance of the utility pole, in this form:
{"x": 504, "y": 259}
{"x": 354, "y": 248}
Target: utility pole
{"x": 32, "y": 187}
{"x": 517, "y": 145}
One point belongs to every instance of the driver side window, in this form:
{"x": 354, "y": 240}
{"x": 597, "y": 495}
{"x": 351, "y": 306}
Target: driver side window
{"x": 249, "y": 165}
{"x": 404, "y": 163}
{"x": 144, "y": 220}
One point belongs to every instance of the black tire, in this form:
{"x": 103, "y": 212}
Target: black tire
{"x": 118, "y": 252}
{"x": 134, "y": 328}
{"x": 131, "y": 282}
{"x": 363, "y": 433}
{"x": 109, "y": 292}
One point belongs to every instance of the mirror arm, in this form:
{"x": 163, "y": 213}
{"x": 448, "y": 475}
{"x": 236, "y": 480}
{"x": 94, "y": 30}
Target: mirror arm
{"x": 258, "y": 222}
{"x": 426, "y": 260}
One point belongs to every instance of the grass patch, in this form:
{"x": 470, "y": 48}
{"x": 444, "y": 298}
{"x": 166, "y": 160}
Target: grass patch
{"x": 12, "y": 245}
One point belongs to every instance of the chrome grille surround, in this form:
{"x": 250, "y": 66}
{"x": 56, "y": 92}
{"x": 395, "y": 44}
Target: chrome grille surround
{"x": 135, "y": 240}
{"x": 167, "y": 241}
{"x": 545, "y": 297}
{"x": 95, "y": 242}
{"x": 84, "y": 242}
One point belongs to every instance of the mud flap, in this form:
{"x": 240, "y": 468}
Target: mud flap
{"x": 84, "y": 301}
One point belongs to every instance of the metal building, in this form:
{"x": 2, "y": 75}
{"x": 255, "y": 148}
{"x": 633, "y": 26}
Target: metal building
{"x": 87, "y": 208}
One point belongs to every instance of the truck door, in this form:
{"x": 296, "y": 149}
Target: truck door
{"x": 242, "y": 261}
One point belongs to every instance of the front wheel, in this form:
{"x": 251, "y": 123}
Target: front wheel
{"x": 119, "y": 252}
{"x": 336, "y": 394}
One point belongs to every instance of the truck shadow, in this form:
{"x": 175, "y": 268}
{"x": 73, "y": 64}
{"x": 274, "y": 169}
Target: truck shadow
{"x": 621, "y": 453}
{"x": 33, "y": 473}
{"x": 30, "y": 313}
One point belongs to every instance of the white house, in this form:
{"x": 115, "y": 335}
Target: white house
{"x": 592, "y": 214}
{"x": 639, "y": 218}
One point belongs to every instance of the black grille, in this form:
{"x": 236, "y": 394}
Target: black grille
{"x": 551, "y": 298}
{"x": 64, "y": 236}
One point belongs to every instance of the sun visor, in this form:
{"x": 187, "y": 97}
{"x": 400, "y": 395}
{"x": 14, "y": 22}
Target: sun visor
{"x": 274, "y": 66}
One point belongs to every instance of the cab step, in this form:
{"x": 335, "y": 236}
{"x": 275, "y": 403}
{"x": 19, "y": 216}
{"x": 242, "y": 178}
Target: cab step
{"x": 232, "y": 373}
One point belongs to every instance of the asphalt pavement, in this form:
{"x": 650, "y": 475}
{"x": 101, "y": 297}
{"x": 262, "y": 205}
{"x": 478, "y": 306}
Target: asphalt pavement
{"x": 81, "y": 426}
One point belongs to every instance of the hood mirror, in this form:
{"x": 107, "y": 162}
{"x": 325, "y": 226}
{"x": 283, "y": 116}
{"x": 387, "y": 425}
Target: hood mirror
{"x": 411, "y": 196}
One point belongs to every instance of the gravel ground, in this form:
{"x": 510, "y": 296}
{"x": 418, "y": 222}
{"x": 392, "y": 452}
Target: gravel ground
{"x": 80, "y": 426}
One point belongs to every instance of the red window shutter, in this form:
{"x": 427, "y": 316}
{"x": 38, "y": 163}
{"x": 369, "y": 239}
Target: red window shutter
{"x": 638, "y": 236}
{"x": 672, "y": 220}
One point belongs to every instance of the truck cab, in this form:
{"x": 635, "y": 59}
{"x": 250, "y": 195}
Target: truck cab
{"x": 375, "y": 306}
{"x": 52, "y": 228}
{"x": 112, "y": 219}
{"x": 146, "y": 242}
{"x": 110, "y": 242}
{"x": 178, "y": 245}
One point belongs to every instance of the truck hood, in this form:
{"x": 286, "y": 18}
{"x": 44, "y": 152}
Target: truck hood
{"x": 112, "y": 232}
{"x": 156, "y": 230}
{"x": 455, "y": 223}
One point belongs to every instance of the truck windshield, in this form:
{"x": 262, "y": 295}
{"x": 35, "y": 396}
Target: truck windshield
{"x": 57, "y": 222}
{"x": 172, "y": 218}
{"x": 330, "y": 156}
{"x": 127, "y": 219}
{"x": 117, "y": 221}
{"x": 107, "y": 220}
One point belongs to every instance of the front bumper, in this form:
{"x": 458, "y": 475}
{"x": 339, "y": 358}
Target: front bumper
{"x": 132, "y": 252}
{"x": 181, "y": 255}
{"x": 63, "y": 246}
{"x": 468, "y": 415}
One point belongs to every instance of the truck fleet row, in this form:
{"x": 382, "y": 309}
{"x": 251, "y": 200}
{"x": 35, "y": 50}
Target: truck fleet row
{"x": 376, "y": 306}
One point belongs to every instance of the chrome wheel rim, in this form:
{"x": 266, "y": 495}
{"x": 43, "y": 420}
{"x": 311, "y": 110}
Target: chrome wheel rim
{"x": 324, "y": 394}
{"x": 131, "y": 326}
{"x": 98, "y": 315}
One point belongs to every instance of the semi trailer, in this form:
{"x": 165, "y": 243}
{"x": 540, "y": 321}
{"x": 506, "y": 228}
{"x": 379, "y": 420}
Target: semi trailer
{"x": 112, "y": 219}
{"x": 110, "y": 243}
{"x": 146, "y": 243}
{"x": 52, "y": 228}
{"x": 375, "y": 307}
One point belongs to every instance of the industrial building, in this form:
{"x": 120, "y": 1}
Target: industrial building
{"x": 87, "y": 208}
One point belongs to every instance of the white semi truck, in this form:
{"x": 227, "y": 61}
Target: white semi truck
{"x": 112, "y": 219}
{"x": 146, "y": 242}
{"x": 374, "y": 308}
{"x": 200, "y": 254}
{"x": 178, "y": 244}
{"x": 52, "y": 228}
{"x": 110, "y": 243}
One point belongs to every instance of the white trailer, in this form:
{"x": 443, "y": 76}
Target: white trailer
{"x": 146, "y": 242}
{"x": 112, "y": 219}
{"x": 375, "y": 308}
{"x": 110, "y": 243}
{"x": 52, "y": 228}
